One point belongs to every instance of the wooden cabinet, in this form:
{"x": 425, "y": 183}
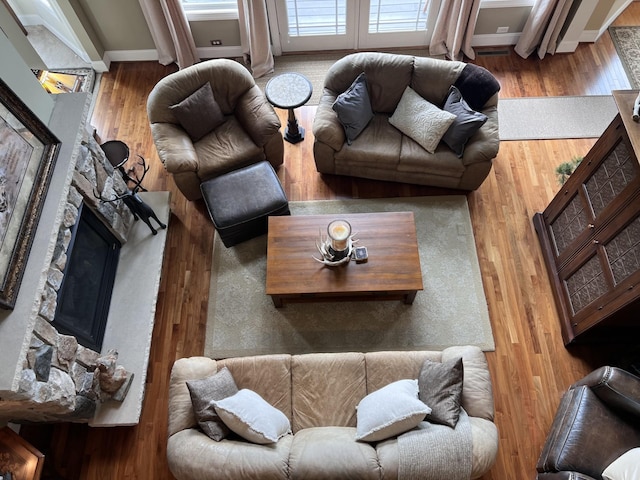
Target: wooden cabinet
{"x": 590, "y": 236}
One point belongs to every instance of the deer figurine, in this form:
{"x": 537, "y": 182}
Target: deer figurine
{"x": 132, "y": 200}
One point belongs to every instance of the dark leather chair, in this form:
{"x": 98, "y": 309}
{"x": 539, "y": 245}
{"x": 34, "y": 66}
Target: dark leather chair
{"x": 597, "y": 421}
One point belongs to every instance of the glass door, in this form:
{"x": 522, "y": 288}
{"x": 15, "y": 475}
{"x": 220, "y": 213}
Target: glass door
{"x": 316, "y": 25}
{"x": 305, "y": 25}
{"x": 392, "y": 23}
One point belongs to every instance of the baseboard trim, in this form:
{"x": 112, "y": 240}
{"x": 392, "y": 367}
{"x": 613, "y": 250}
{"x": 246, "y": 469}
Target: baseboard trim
{"x": 495, "y": 39}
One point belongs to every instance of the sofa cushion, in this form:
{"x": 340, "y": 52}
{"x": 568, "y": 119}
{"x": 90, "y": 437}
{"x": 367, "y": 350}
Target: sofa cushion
{"x": 203, "y": 391}
{"x": 389, "y": 411}
{"x": 477, "y": 85}
{"x": 378, "y": 145}
{"x": 440, "y": 387}
{"x": 387, "y": 76}
{"x": 250, "y": 416}
{"x": 331, "y": 452}
{"x": 466, "y": 123}
{"x": 326, "y": 389}
{"x": 625, "y": 467}
{"x": 443, "y": 162}
{"x": 354, "y": 108}
{"x": 199, "y": 113}
{"x": 227, "y": 148}
{"x": 191, "y": 455}
{"x": 267, "y": 375}
{"x": 421, "y": 120}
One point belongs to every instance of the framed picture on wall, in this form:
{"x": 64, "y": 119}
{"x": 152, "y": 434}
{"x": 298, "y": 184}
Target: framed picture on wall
{"x": 28, "y": 152}
{"x": 19, "y": 460}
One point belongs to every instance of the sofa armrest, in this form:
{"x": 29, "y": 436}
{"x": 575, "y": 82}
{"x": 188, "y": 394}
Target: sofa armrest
{"x": 181, "y": 416}
{"x": 175, "y": 148}
{"x": 477, "y": 392}
{"x": 327, "y": 128}
{"x": 257, "y": 116}
{"x": 564, "y": 476}
{"x": 615, "y": 387}
{"x": 485, "y": 144}
{"x": 585, "y": 435}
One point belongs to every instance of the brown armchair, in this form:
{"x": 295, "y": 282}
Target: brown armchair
{"x": 248, "y": 130}
{"x": 597, "y": 421}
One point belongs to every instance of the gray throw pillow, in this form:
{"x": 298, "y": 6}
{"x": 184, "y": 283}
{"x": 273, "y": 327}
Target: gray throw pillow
{"x": 203, "y": 393}
{"x": 199, "y": 113}
{"x": 354, "y": 108}
{"x": 466, "y": 123}
{"x": 440, "y": 387}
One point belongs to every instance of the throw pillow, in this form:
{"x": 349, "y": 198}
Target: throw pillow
{"x": 625, "y": 467}
{"x": 203, "y": 391}
{"x": 477, "y": 85}
{"x": 466, "y": 123}
{"x": 441, "y": 388}
{"x": 421, "y": 120}
{"x": 354, "y": 108}
{"x": 389, "y": 411}
{"x": 199, "y": 113}
{"x": 250, "y": 416}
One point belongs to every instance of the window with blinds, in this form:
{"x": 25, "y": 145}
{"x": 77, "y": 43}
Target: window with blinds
{"x": 313, "y": 17}
{"x": 329, "y": 17}
{"x": 396, "y": 16}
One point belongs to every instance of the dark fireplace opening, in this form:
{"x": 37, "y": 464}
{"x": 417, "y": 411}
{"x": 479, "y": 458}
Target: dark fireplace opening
{"x": 85, "y": 292}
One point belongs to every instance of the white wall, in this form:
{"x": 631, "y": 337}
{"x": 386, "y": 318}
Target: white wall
{"x": 23, "y": 82}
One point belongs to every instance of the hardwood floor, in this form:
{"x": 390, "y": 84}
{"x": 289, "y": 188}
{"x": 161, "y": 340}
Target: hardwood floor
{"x": 530, "y": 367}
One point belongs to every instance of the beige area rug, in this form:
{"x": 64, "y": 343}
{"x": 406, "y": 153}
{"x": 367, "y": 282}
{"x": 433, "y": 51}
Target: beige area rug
{"x": 627, "y": 43}
{"x": 545, "y": 118}
{"x": 451, "y": 310}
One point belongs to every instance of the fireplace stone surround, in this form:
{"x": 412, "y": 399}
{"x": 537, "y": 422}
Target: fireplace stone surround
{"x": 53, "y": 378}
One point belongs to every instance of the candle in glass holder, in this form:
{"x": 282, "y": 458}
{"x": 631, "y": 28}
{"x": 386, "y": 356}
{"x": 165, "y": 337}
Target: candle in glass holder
{"x": 339, "y": 232}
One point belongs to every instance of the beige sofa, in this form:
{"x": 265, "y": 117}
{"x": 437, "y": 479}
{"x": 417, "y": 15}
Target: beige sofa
{"x": 381, "y": 151}
{"x": 249, "y": 131}
{"x": 318, "y": 393}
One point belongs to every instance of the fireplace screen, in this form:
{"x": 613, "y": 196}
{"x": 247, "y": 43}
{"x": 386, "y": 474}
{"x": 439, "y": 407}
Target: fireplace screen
{"x": 85, "y": 293}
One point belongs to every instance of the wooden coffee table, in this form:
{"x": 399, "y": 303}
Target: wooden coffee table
{"x": 392, "y": 271}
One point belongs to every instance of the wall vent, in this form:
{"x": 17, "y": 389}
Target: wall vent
{"x": 493, "y": 53}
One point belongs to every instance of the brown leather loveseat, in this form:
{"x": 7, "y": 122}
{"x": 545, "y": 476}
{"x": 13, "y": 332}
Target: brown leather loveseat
{"x": 598, "y": 420}
{"x": 382, "y": 151}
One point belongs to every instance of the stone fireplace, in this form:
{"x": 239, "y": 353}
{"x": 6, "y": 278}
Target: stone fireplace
{"x": 55, "y": 377}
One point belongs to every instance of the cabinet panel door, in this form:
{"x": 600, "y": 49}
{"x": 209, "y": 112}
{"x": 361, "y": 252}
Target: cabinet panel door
{"x": 605, "y": 276}
{"x": 600, "y": 186}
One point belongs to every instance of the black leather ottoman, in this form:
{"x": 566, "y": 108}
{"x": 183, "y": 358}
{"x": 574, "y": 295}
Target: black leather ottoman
{"x": 240, "y": 201}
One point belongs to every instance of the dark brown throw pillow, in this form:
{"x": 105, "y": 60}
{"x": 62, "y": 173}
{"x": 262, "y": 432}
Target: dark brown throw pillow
{"x": 440, "y": 387}
{"x": 203, "y": 393}
{"x": 477, "y": 85}
{"x": 199, "y": 113}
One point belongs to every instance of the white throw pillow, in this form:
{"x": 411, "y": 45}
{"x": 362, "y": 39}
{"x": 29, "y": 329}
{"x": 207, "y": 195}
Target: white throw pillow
{"x": 421, "y": 120}
{"x": 625, "y": 467}
{"x": 250, "y": 416}
{"x": 390, "y": 411}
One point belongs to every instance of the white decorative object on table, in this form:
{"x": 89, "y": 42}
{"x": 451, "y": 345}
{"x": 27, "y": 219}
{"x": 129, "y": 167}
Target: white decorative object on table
{"x": 336, "y": 248}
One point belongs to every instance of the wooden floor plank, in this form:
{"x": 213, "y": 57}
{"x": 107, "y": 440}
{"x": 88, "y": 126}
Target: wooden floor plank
{"x": 530, "y": 367}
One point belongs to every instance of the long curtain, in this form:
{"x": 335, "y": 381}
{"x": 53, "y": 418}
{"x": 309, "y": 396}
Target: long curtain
{"x": 454, "y": 27}
{"x": 543, "y": 27}
{"x": 254, "y": 36}
{"x": 170, "y": 32}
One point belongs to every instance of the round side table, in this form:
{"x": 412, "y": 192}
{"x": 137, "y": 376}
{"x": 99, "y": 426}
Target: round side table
{"x": 289, "y": 91}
